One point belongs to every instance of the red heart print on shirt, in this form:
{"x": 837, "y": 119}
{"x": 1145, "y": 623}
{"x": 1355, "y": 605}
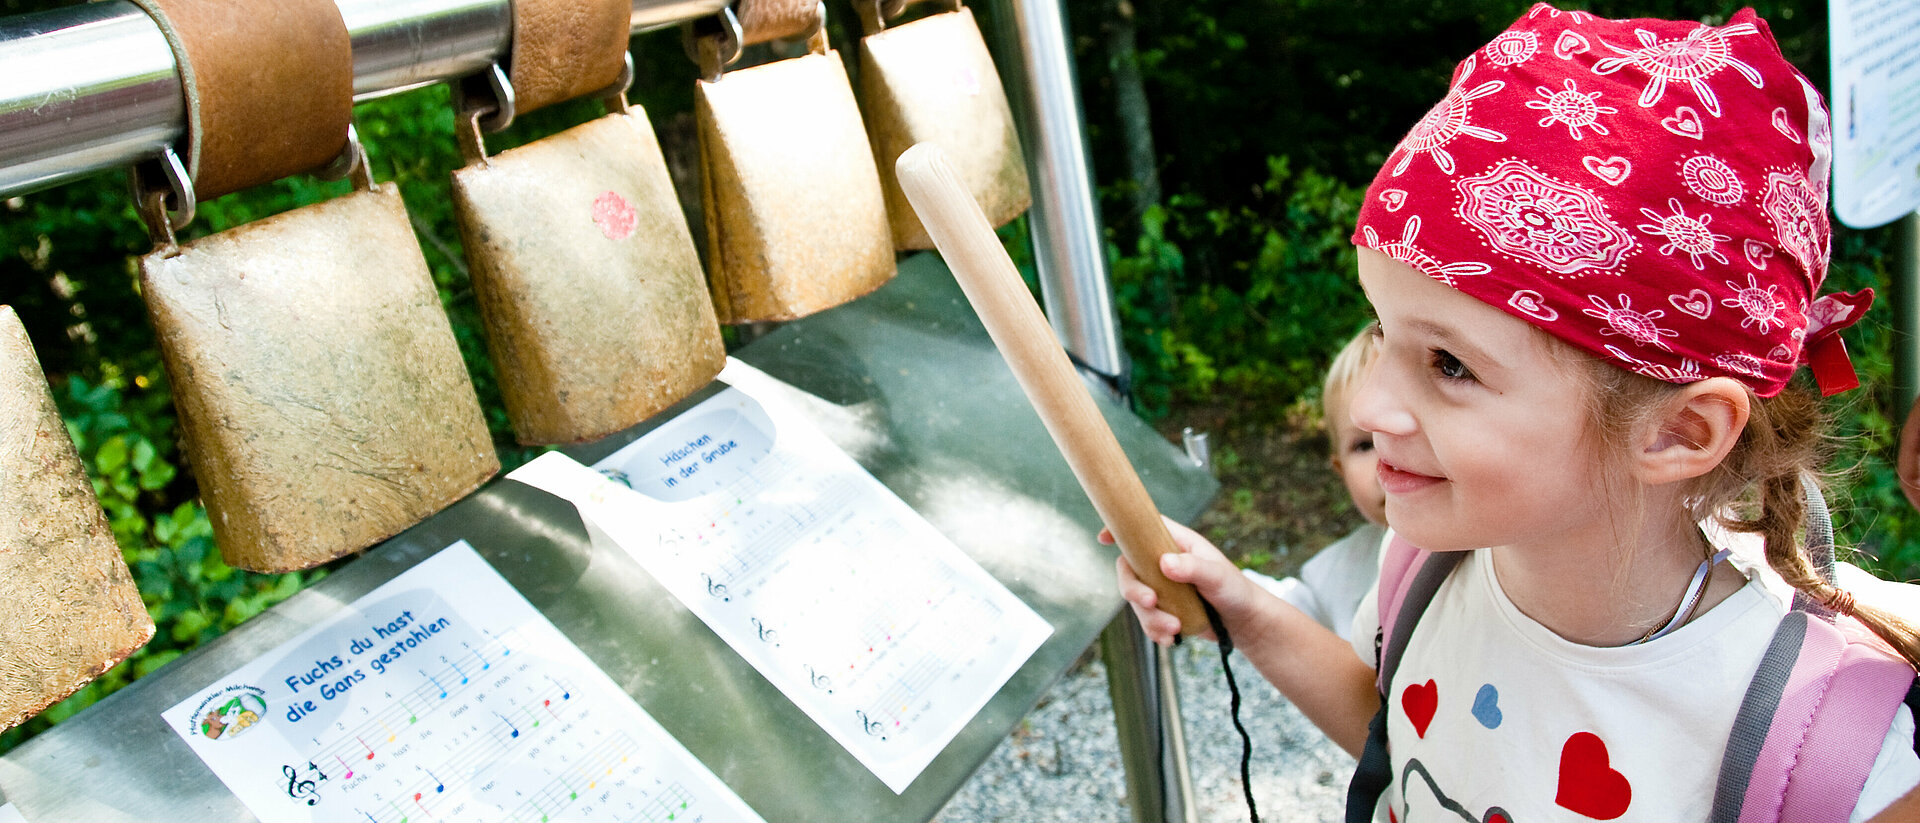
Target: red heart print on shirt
{"x": 1588, "y": 783}
{"x": 1419, "y": 701}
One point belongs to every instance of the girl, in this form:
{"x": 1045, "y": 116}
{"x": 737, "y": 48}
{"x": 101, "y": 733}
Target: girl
{"x": 1594, "y": 265}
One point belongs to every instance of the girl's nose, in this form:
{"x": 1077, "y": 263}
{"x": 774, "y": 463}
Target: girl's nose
{"x": 1375, "y": 408}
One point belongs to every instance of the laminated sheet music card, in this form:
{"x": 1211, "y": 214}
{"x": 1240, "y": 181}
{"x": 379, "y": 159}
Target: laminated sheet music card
{"x": 443, "y": 695}
{"x": 871, "y": 621}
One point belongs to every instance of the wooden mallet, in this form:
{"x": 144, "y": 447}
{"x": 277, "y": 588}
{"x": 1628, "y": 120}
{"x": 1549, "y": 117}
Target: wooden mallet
{"x": 960, "y": 231}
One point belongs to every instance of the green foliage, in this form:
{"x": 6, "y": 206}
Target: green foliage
{"x": 1279, "y": 304}
{"x": 123, "y": 431}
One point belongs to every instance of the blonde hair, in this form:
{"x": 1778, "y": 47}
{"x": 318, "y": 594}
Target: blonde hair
{"x": 1757, "y": 488}
{"x": 1347, "y": 370}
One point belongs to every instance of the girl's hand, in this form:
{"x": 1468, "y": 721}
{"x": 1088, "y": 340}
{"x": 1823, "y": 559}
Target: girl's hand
{"x": 1214, "y": 576}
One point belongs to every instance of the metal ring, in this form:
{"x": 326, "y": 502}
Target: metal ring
{"x": 350, "y": 159}
{"x": 712, "y": 43}
{"x": 615, "y": 96}
{"x": 173, "y": 182}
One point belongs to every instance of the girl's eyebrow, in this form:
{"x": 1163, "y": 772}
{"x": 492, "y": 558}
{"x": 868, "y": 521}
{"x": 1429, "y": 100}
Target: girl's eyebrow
{"x": 1446, "y": 336}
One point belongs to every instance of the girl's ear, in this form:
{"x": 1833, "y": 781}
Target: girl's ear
{"x": 1694, "y": 431}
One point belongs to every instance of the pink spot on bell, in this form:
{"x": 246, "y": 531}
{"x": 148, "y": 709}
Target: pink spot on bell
{"x": 614, "y": 215}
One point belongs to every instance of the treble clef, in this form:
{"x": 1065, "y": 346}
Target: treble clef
{"x": 715, "y": 588}
{"x": 820, "y": 681}
{"x": 297, "y": 788}
{"x": 872, "y": 727}
{"x": 767, "y": 635}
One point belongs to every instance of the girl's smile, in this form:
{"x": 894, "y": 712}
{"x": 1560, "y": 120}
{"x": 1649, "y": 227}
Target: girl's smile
{"x": 1402, "y": 482}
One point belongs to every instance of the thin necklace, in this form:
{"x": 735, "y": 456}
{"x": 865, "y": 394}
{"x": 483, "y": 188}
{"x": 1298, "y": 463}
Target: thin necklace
{"x": 1695, "y": 590}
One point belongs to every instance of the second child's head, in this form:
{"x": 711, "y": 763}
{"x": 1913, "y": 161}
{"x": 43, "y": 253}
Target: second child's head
{"x": 1352, "y": 447}
{"x": 1597, "y": 263}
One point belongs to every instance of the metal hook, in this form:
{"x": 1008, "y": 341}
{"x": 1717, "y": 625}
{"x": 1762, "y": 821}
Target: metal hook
{"x": 151, "y": 195}
{"x": 712, "y": 43}
{"x": 350, "y": 162}
{"x": 479, "y": 110}
{"x": 494, "y": 102}
{"x": 614, "y": 97}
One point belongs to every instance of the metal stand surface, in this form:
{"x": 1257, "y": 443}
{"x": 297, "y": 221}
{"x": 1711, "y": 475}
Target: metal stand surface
{"x": 907, "y": 382}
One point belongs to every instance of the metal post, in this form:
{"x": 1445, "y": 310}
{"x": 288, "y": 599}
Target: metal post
{"x": 1065, "y": 220}
{"x": 1905, "y": 285}
{"x": 1135, "y": 689}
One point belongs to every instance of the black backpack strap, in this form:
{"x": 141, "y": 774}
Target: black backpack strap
{"x": 1375, "y": 770}
{"x": 1913, "y": 705}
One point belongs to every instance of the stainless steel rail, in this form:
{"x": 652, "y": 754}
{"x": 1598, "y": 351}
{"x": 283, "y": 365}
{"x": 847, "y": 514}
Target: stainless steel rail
{"x": 93, "y": 87}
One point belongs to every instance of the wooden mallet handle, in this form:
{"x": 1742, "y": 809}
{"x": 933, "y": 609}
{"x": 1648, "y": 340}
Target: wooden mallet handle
{"x": 961, "y": 232}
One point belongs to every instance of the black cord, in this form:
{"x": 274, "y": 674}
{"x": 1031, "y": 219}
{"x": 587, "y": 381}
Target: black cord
{"x": 1233, "y": 690}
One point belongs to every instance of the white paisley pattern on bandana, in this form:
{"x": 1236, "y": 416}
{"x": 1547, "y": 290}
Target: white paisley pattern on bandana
{"x": 1690, "y": 60}
{"x": 1570, "y": 106}
{"x": 1799, "y": 218}
{"x": 1406, "y": 252}
{"x": 1513, "y": 48}
{"x": 1446, "y": 121}
{"x": 1649, "y": 191}
{"x": 1712, "y": 180}
{"x": 1638, "y": 326}
{"x": 1687, "y": 234}
{"x": 1560, "y": 227}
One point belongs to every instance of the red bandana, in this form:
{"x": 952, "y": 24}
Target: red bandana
{"x": 1650, "y": 191}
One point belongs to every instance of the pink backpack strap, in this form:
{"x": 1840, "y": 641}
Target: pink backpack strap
{"x": 1409, "y": 576}
{"x": 1811, "y": 724}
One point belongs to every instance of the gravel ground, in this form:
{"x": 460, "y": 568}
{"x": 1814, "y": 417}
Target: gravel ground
{"x": 1063, "y": 764}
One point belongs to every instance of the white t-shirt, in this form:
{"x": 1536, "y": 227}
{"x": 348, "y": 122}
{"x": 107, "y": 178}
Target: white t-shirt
{"x": 1332, "y": 582}
{"x": 1493, "y": 716}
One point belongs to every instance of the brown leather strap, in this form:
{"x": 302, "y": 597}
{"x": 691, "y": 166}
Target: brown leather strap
{"x": 564, "y": 49}
{"x": 269, "y": 87}
{"x": 763, "y": 20}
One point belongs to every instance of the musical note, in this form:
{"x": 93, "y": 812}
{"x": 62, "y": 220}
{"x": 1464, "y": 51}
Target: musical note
{"x": 398, "y": 747}
{"x": 484, "y": 665}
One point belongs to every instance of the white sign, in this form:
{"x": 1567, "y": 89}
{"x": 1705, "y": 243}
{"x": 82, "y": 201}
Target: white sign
{"x": 442, "y": 695}
{"x": 871, "y": 621}
{"x": 1876, "y": 110}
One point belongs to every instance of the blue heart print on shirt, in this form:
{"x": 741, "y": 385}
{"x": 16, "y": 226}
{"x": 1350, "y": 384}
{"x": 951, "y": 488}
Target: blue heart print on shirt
{"x": 1486, "y": 706}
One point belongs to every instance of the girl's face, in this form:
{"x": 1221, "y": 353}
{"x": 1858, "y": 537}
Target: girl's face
{"x": 1479, "y": 426}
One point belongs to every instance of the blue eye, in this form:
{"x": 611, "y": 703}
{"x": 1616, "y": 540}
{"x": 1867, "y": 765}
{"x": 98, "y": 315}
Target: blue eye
{"x": 1450, "y": 367}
